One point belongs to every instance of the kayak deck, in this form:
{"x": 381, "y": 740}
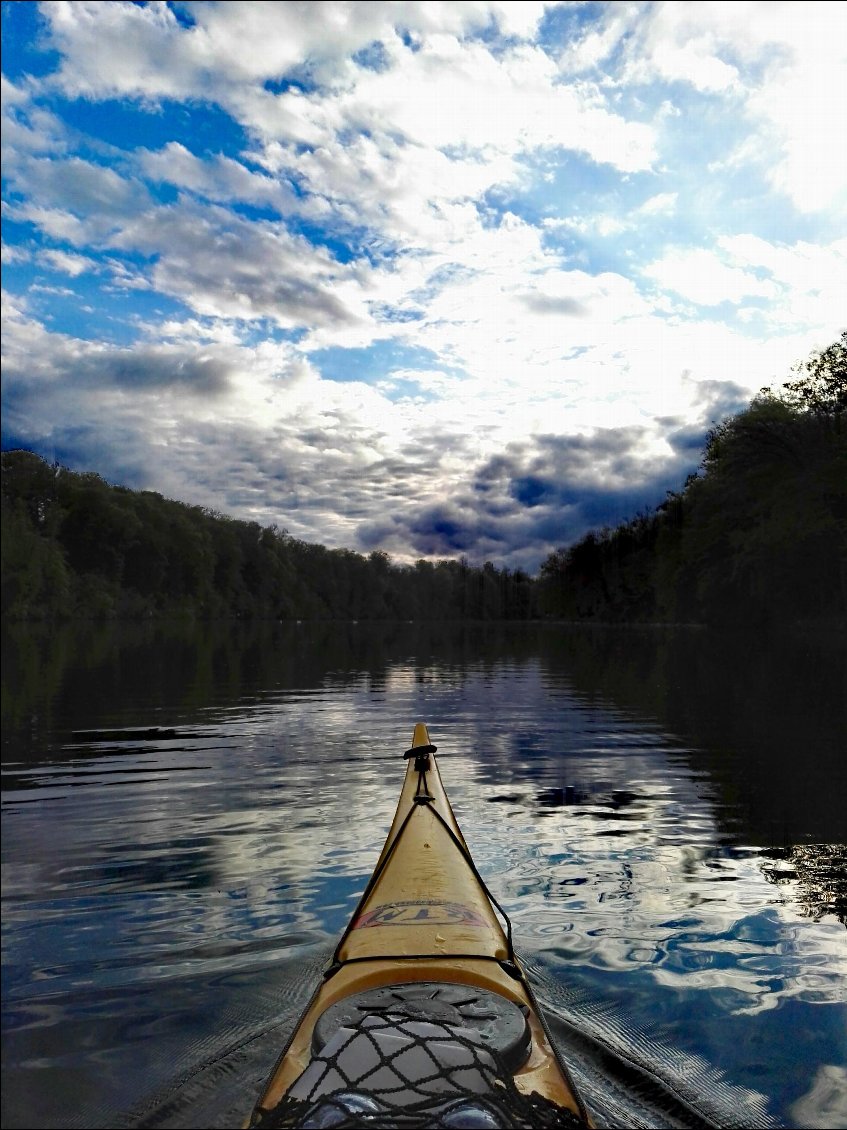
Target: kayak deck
{"x": 424, "y": 957}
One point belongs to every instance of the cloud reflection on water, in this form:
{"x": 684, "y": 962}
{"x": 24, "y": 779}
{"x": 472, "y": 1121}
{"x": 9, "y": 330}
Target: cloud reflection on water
{"x": 649, "y": 922}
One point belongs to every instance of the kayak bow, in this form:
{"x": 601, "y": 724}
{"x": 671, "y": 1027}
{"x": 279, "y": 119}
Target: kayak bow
{"x": 424, "y": 1016}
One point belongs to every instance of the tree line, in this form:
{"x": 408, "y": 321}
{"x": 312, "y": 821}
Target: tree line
{"x": 75, "y": 546}
{"x": 757, "y": 534}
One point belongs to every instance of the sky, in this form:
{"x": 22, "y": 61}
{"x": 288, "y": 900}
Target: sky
{"x": 440, "y": 279}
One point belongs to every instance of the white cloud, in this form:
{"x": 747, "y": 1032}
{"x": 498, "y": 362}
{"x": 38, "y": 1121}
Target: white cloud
{"x": 224, "y": 266}
{"x": 812, "y": 279}
{"x": 459, "y": 95}
{"x": 219, "y": 178}
{"x": 473, "y": 197}
{"x": 56, "y": 223}
{"x": 806, "y": 106}
{"x": 76, "y": 200}
{"x": 447, "y": 94}
{"x": 27, "y": 127}
{"x": 144, "y": 51}
{"x": 701, "y": 276}
{"x": 801, "y": 266}
{"x": 785, "y": 65}
{"x": 15, "y": 254}
{"x": 661, "y": 203}
{"x": 68, "y": 262}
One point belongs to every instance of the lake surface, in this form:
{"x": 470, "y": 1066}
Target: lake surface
{"x": 661, "y": 813}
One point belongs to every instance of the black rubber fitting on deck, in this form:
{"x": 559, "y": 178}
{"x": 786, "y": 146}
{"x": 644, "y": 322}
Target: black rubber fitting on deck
{"x": 417, "y": 750}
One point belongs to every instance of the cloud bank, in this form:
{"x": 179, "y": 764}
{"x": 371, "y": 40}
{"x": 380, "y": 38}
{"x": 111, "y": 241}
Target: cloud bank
{"x": 466, "y": 278}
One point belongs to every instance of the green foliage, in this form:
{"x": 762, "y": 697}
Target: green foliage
{"x": 35, "y": 579}
{"x": 823, "y": 389}
{"x": 759, "y": 535}
{"x": 74, "y": 546}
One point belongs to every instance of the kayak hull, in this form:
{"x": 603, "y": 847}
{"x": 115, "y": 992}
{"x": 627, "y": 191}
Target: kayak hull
{"x": 426, "y": 916}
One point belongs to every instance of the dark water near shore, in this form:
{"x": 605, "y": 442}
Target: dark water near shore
{"x": 661, "y": 813}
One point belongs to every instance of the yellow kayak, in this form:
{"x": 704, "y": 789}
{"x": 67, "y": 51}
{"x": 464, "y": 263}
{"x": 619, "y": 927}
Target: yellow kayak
{"x": 424, "y": 1016}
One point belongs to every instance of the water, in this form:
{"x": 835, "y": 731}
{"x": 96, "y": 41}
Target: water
{"x": 661, "y": 813}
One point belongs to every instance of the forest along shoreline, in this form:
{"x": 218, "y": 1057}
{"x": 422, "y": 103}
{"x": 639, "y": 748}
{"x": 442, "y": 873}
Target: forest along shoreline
{"x": 757, "y": 536}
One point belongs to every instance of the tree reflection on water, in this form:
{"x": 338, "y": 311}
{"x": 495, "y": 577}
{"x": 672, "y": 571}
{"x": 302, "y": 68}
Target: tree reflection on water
{"x": 817, "y": 874}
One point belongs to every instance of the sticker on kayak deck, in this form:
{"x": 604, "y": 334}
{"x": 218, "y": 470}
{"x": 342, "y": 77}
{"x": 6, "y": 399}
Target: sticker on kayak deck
{"x": 421, "y": 912}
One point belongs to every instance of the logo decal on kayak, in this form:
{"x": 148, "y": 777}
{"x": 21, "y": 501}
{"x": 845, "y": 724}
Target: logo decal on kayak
{"x": 420, "y": 912}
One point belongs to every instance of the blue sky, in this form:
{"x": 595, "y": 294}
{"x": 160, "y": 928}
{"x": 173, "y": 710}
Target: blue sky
{"x": 433, "y": 278}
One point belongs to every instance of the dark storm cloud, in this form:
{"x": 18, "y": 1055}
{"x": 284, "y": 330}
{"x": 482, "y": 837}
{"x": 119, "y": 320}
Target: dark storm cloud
{"x": 718, "y": 399}
{"x": 556, "y": 464}
{"x": 539, "y": 494}
{"x": 686, "y": 439}
{"x": 448, "y": 529}
{"x": 444, "y": 531}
